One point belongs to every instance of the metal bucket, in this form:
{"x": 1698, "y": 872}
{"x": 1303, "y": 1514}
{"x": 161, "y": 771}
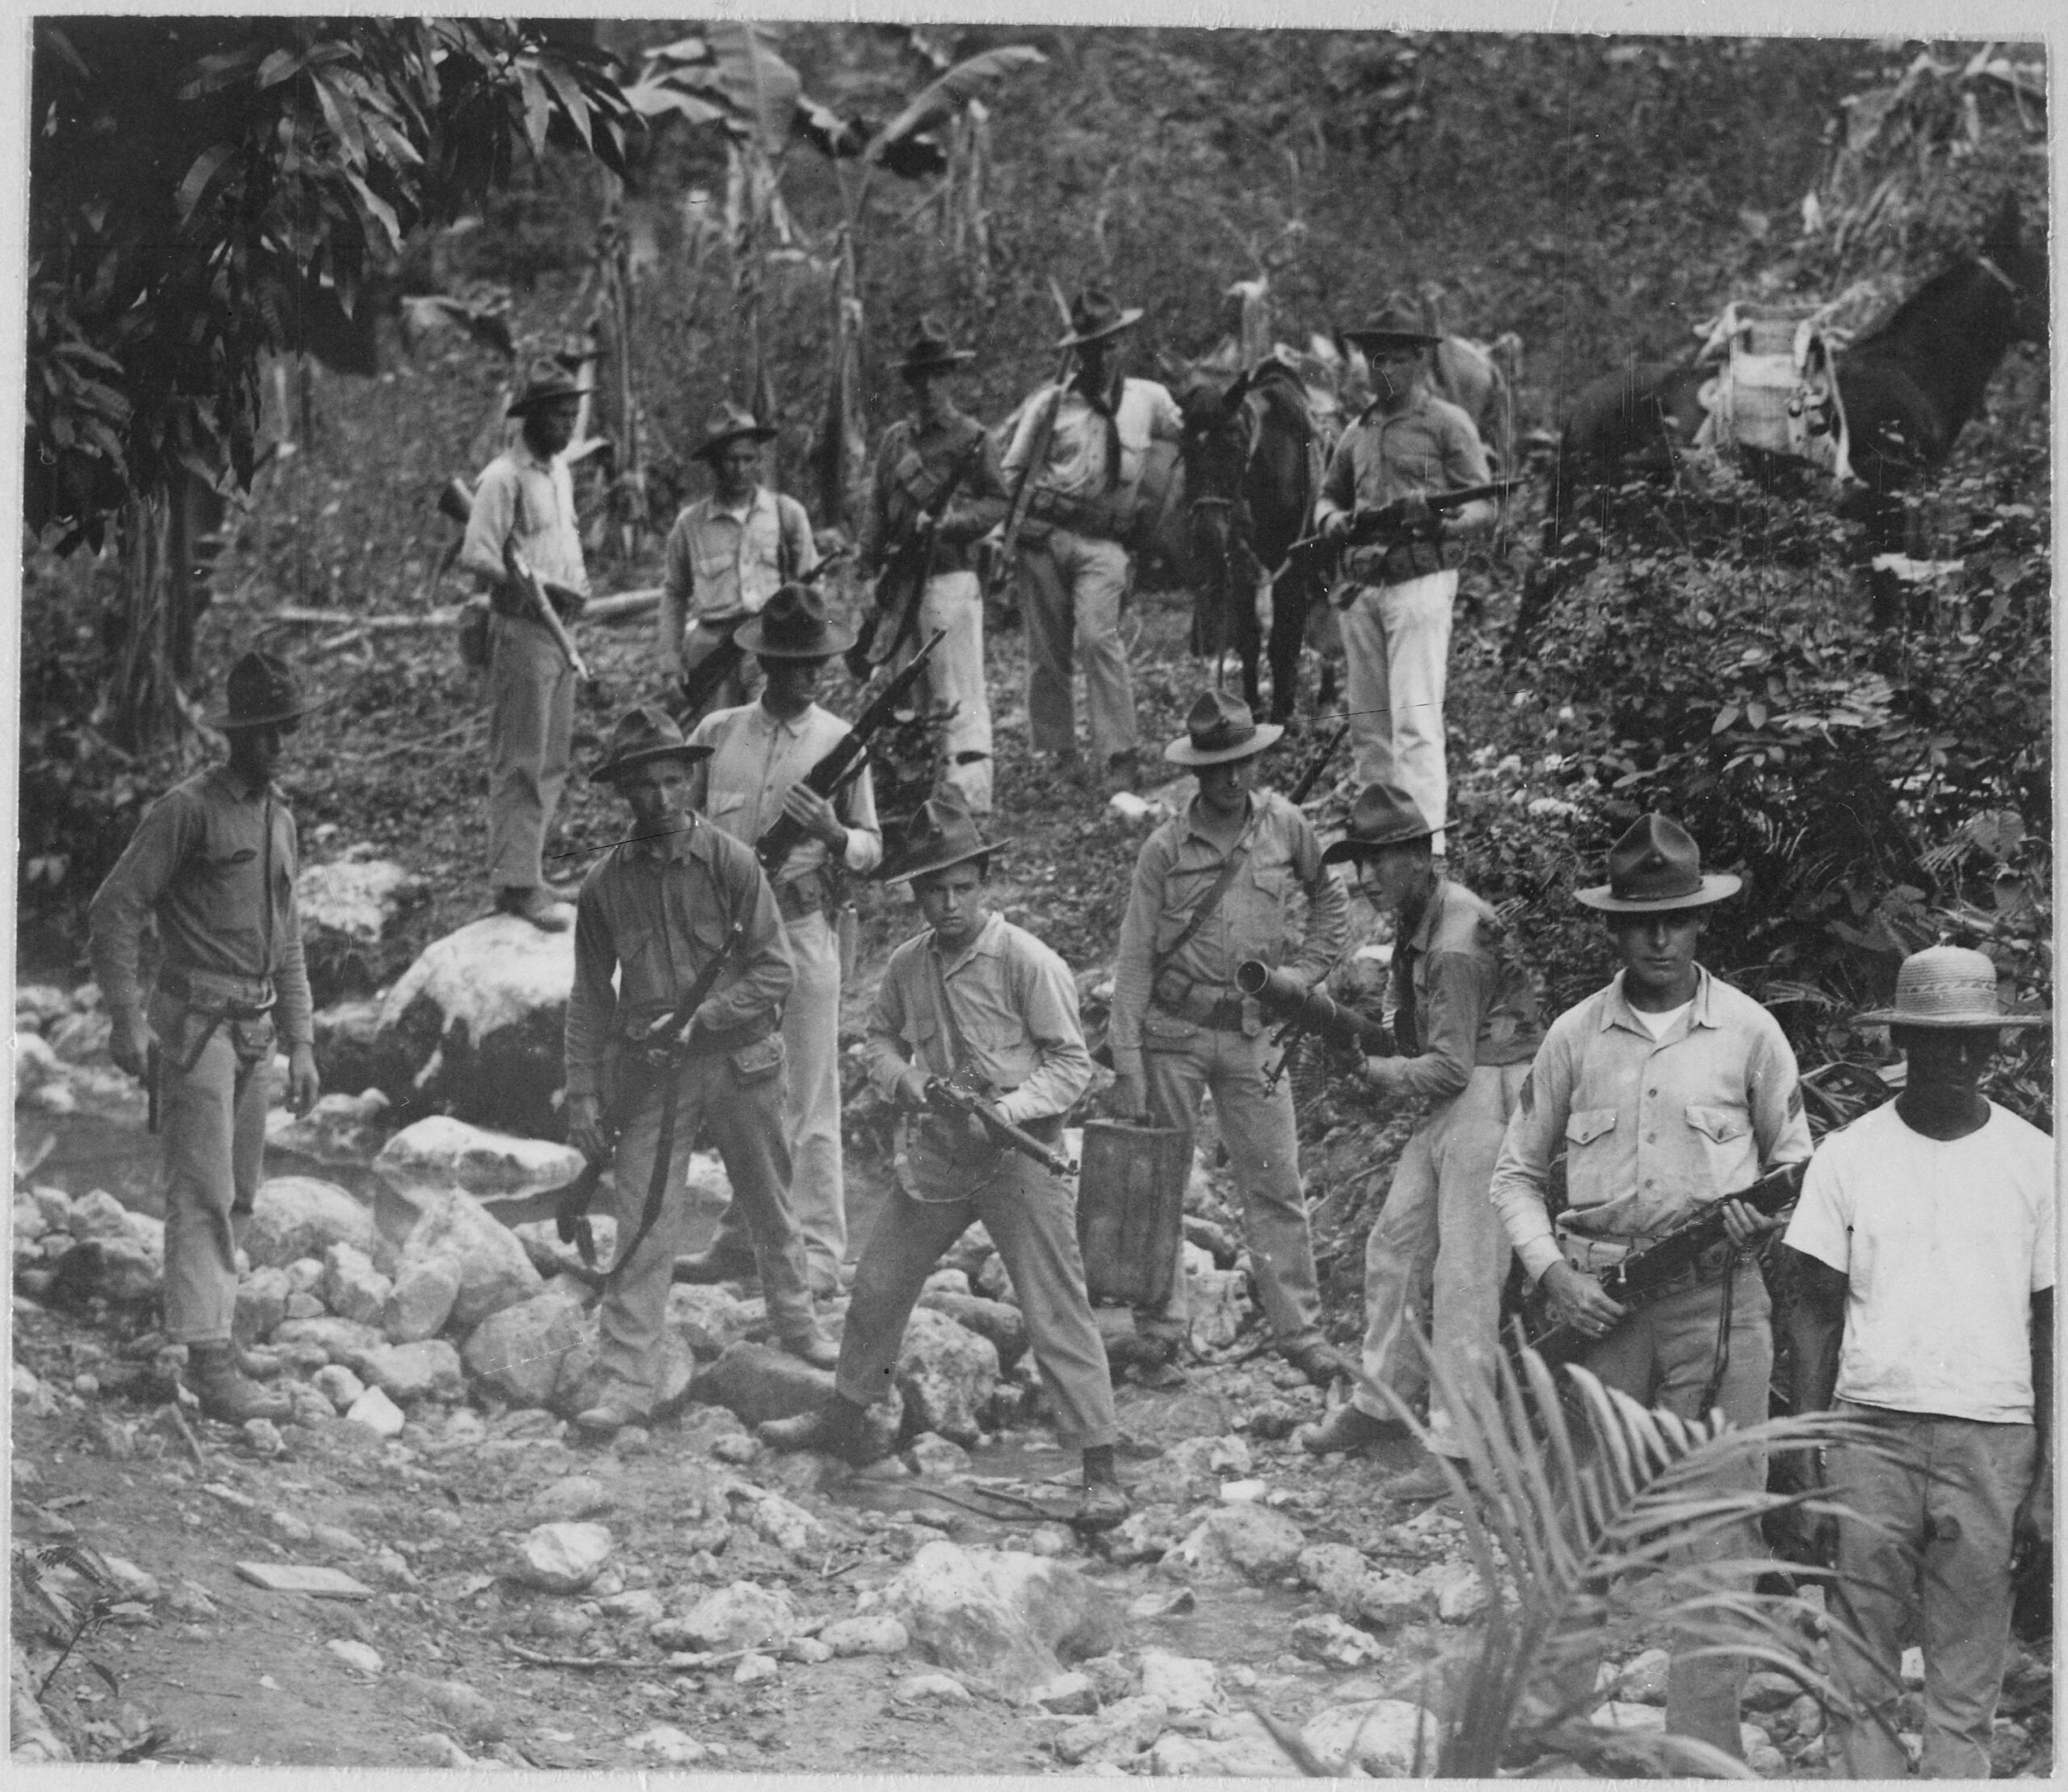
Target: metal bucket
{"x": 1131, "y": 1209}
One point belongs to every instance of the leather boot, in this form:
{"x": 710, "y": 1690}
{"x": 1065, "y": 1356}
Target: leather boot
{"x": 704, "y": 1268}
{"x": 1349, "y": 1428}
{"x": 225, "y": 1392}
{"x": 837, "y": 1429}
{"x": 815, "y": 1348}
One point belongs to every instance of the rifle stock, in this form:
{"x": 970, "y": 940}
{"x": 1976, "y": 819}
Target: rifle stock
{"x": 945, "y": 1098}
{"x": 527, "y": 581}
{"x": 1367, "y": 527}
{"x": 1284, "y": 997}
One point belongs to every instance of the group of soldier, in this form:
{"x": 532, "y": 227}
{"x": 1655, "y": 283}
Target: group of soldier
{"x": 708, "y": 979}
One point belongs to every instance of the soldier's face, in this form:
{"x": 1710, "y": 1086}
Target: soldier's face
{"x": 1098, "y": 359}
{"x": 738, "y": 467}
{"x": 658, "y": 791}
{"x": 1951, "y": 1059}
{"x": 1393, "y": 370}
{"x": 1390, "y": 875}
{"x": 257, "y": 752}
{"x": 952, "y": 901}
{"x": 791, "y": 685}
{"x": 1223, "y": 788}
{"x": 1658, "y": 954}
{"x": 551, "y": 427}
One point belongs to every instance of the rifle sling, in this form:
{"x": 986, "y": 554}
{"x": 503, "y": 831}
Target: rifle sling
{"x": 1200, "y": 916}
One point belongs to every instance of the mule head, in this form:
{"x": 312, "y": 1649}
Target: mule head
{"x": 2021, "y": 265}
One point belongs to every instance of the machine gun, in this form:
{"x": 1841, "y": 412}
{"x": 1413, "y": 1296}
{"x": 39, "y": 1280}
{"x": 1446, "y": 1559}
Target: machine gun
{"x": 903, "y": 582}
{"x": 953, "y": 1100}
{"x": 844, "y": 760}
{"x": 659, "y": 1050}
{"x": 696, "y": 687}
{"x": 1301, "y": 1010}
{"x": 1648, "y": 1275}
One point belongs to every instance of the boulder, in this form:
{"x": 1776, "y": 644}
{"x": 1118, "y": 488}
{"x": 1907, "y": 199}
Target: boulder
{"x": 787, "y": 1524}
{"x": 338, "y": 1385}
{"x": 969, "y": 1252}
{"x": 1389, "y": 1599}
{"x": 355, "y": 1054}
{"x": 1235, "y": 1747}
{"x": 421, "y": 1300}
{"x": 79, "y": 1037}
{"x": 551, "y": 1257}
{"x": 441, "y": 1153}
{"x": 564, "y": 1557}
{"x": 353, "y": 1289}
{"x": 350, "y": 908}
{"x": 407, "y": 1373}
{"x": 340, "y": 1128}
{"x": 740, "y": 1616}
{"x": 1334, "y": 1571}
{"x": 493, "y": 1270}
{"x": 98, "y": 1215}
{"x": 1642, "y": 1680}
{"x": 1326, "y": 1639}
{"x": 299, "y": 1216}
{"x": 1015, "y": 1618}
{"x": 343, "y": 1341}
{"x": 1004, "y": 1325}
{"x": 708, "y": 1319}
{"x": 947, "y": 1375}
{"x": 929, "y": 1453}
{"x": 119, "y": 1269}
{"x": 1164, "y": 1419}
{"x": 871, "y": 1633}
{"x": 1219, "y": 1304}
{"x": 379, "y": 1414}
{"x": 1238, "y": 1543}
{"x": 1386, "y": 1738}
{"x": 525, "y": 1352}
{"x": 482, "y": 1013}
{"x": 571, "y": 1497}
{"x": 760, "y": 1382}
{"x": 1118, "y": 1733}
{"x": 1183, "y": 1683}
{"x": 1070, "y": 1694}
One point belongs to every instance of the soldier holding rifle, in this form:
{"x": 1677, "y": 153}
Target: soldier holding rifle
{"x": 759, "y": 755}
{"x": 1468, "y": 1024}
{"x": 523, "y": 516}
{"x": 1670, "y": 1092}
{"x": 728, "y": 554}
{"x": 1224, "y": 882}
{"x": 936, "y": 488}
{"x": 213, "y": 867}
{"x": 653, "y": 913}
{"x": 1408, "y": 445}
{"x": 981, "y": 1006}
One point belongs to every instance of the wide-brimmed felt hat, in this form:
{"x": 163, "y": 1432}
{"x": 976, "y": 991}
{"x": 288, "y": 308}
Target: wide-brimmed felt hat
{"x": 548, "y": 381}
{"x": 728, "y": 423}
{"x": 1950, "y": 986}
{"x": 643, "y": 734}
{"x": 932, "y": 350}
{"x": 1219, "y": 728}
{"x": 940, "y": 833}
{"x": 261, "y": 693}
{"x": 1392, "y": 326}
{"x": 1095, "y": 314}
{"x": 1383, "y": 814}
{"x": 1655, "y": 869}
{"x": 794, "y": 624}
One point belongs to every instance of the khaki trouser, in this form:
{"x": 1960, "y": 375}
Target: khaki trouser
{"x": 744, "y": 1120}
{"x": 530, "y": 731}
{"x": 811, "y": 1110}
{"x": 1263, "y": 1147}
{"x": 1396, "y": 659}
{"x": 1942, "y": 1579}
{"x": 954, "y": 683}
{"x": 1662, "y": 1355}
{"x": 212, "y": 1120}
{"x": 1033, "y": 1220}
{"x": 1438, "y": 1212}
{"x": 1072, "y": 589}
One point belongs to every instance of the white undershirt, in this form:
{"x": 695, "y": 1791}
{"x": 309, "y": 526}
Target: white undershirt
{"x": 1659, "y": 1025}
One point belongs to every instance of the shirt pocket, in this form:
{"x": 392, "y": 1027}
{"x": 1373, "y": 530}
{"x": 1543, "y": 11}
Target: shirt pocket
{"x": 236, "y": 885}
{"x": 1726, "y": 1141}
{"x": 1587, "y": 1126}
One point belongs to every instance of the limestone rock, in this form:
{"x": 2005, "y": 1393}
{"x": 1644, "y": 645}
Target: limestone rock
{"x": 354, "y": 1054}
{"x": 340, "y": 1128}
{"x": 1118, "y": 1733}
{"x": 1643, "y": 1680}
{"x": 481, "y": 1012}
{"x": 668, "y": 1745}
{"x": 353, "y": 1289}
{"x": 338, "y": 1385}
{"x": 440, "y": 1153}
{"x": 1219, "y": 1306}
{"x": 1619, "y": 1714}
{"x": 299, "y": 1216}
{"x": 1183, "y": 1683}
{"x": 1765, "y": 1690}
{"x": 493, "y": 1270}
{"x": 1070, "y": 1694}
{"x": 1247, "y": 1542}
{"x": 1387, "y": 1738}
{"x": 1003, "y": 1324}
{"x": 931, "y": 1689}
{"x": 349, "y": 908}
{"x": 929, "y": 1453}
{"x": 742, "y": 1615}
{"x": 356, "y": 1655}
{"x": 379, "y": 1414}
{"x": 407, "y": 1373}
{"x": 421, "y": 1300}
{"x": 760, "y": 1382}
{"x": 1234, "y": 1747}
{"x": 571, "y": 1497}
{"x": 340, "y": 1340}
{"x": 262, "y": 1303}
{"x": 947, "y": 1375}
{"x": 551, "y": 1257}
{"x": 871, "y": 1633}
{"x": 1326, "y": 1639}
{"x": 787, "y": 1524}
{"x": 564, "y": 1557}
{"x": 1334, "y": 1571}
{"x": 1387, "y": 1597}
{"x": 708, "y": 1319}
{"x": 1006, "y": 1615}
{"x": 1461, "y": 1595}
{"x": 1164, "y": 1419}
{"x": 524, "y": 1353}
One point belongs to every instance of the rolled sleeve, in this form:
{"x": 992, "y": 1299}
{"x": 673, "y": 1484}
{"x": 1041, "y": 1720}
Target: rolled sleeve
{"x": 1523, "y": 1170}
{"x": 863, "y": 851}
{"x": 1774, "y": 1093}
{"x": 1048, "y": 1000}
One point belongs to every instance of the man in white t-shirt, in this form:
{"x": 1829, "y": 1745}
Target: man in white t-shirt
{"x": 1924, "y": 1243}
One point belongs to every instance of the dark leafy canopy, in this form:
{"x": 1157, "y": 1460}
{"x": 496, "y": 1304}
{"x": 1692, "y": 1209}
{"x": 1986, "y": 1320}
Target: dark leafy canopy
{"x": 203, "y": 189}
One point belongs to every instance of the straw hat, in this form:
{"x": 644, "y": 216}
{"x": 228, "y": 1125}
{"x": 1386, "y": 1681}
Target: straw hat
{"x": 1949, "y": 986}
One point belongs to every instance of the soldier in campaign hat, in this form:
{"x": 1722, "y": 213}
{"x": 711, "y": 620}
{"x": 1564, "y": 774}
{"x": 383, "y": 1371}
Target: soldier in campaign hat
{"x": 1669, "y": 1092}
{"x": 213, "y": 867}
{"x": 1213, "y": 887}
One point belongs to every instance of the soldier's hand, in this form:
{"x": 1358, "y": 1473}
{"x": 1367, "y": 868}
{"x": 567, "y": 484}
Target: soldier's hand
{"x": 1131, "y": 1095}
{"x": 911, "y": 1090}
{"x": 1577, "y": 1300}
{"x": 2032, "y": 1527}
{"x": 303, "y": 1086}
{"x": 129, "y": 1043}
{"x": 814, "y": 814}
{"x": 1744, "y": 1225}
{"x": 585, "y": 1127}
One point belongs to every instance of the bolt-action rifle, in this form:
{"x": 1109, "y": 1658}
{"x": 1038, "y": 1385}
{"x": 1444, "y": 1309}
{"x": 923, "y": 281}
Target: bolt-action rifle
{"x": 903, "y": 582}
{"x": 1390, "y": 522}
{"x": 697, "y": 686}
{"x": 953, "y": 1100}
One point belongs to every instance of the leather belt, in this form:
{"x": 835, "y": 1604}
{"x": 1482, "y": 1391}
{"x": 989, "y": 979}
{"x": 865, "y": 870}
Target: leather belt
{"x": 708, "y": 1044}
{"x": 1400, "y": 561}
{"x": 1221, "y": 1014}
{"x": 241, "y": 998}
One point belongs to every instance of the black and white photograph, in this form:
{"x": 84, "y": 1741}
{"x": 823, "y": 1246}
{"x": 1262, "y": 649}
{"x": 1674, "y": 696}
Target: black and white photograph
{"x": 955, "y": 894}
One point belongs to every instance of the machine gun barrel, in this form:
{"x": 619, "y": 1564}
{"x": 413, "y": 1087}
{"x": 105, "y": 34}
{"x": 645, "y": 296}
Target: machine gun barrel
{"x": 1284, "y": 997}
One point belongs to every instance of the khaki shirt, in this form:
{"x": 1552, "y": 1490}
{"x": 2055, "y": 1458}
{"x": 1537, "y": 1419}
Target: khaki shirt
{"x": 1474, "y": 1003}
{"x": 725, "y": 564}
{"x": 533, "y": 501}
{"x": 653, "y": 912}
{"x": 1428, "y": 446}
{"x": 741, "y": 785}
{"x": 1284, "y": 907}
{"x": 1652, "y": 1130}
{"x": 978, "y": 503}
{"x": 1016, "y": 1004}
{"x": 1076, "y": 465}
{"x": 213, "y": 865}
